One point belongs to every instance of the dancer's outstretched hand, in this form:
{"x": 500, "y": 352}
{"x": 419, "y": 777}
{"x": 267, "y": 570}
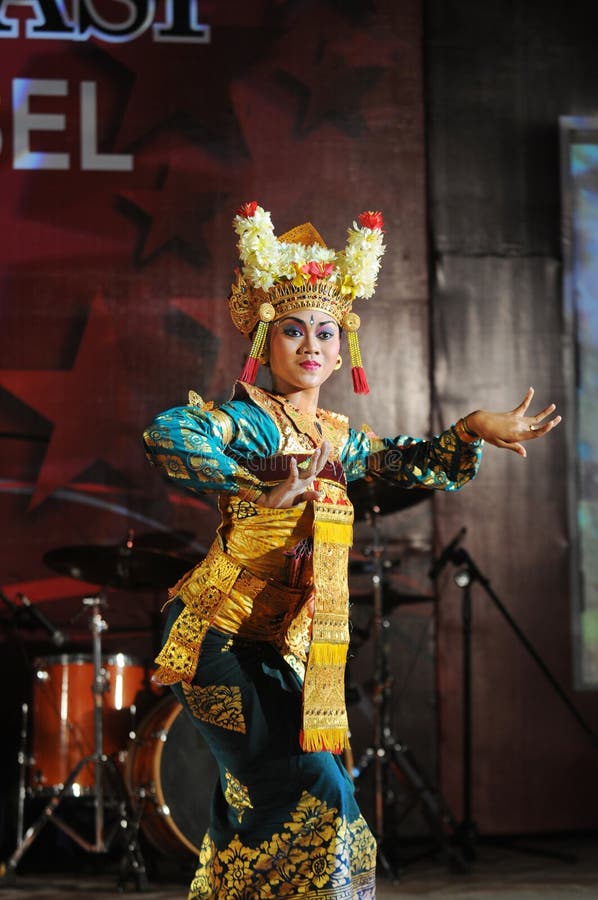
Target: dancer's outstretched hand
{"x": 509, "y": 430}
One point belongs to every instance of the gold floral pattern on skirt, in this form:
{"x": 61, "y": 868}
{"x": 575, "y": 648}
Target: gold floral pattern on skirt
{"x": 236, "y": 795}
{"x": 217, "y": 704}
{"x": 318, "y": 854}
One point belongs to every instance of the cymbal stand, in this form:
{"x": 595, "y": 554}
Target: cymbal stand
{"x": 389, "y": 756}
{"x": 133, "y": 862}
{"x": 23, "y": 760}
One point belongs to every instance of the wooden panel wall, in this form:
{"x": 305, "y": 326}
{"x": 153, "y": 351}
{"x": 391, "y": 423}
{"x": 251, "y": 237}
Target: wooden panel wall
{"x": 499, "y": 75}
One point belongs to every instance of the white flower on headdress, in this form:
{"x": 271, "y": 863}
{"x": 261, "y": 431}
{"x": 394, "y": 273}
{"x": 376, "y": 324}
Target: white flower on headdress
{"x": 360, "y": 261}
{"x": 266, "y": 260}
{"x": 258, "y": 248}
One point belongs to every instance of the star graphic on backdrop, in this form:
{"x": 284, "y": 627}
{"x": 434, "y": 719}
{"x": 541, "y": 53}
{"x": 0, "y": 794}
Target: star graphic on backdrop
{"x": 338, "y": 67}
{"x": 194, "y": 94}
{"x": 212, "y": 314}
{"x": 189, "y": 189}
{"x": 295, "y": 199}
{"x": 334, "y": 92}
{"x": 83, "y": 418}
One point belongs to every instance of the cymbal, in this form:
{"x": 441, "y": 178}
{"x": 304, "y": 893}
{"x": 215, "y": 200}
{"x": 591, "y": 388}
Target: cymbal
{"x": 374, "y": 495}
{"x": 118, "y": 566}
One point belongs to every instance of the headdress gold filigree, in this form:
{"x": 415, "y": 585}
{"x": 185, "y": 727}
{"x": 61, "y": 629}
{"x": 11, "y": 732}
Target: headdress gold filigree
{"x": 298, "y": 271}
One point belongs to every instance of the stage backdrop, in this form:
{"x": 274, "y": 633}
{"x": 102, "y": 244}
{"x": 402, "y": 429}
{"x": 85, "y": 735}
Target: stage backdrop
{"x": 497, "y": 84}
{"x": 126, "y": 145}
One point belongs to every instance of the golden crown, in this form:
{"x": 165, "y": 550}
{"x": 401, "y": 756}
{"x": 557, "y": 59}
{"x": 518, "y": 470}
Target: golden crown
{"x": 298, "y": 271}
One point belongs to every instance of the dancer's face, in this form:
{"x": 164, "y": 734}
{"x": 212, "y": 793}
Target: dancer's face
{"x": 304, "y": 348}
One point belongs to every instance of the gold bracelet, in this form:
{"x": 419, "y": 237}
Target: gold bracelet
{"x": 464, "y": 432}
{"x": 469, "y": 430}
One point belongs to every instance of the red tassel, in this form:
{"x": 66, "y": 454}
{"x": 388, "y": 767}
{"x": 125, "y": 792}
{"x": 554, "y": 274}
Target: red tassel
{"x": 360, "y": 382}
{"x": 249, "y": 372}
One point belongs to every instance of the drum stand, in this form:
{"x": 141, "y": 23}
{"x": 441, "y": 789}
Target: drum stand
{"x": 391, "y": 757}
{"x": 132, "y": 863}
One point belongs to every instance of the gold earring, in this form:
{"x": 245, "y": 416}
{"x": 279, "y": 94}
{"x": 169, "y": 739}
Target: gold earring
{"x": 338, "y": 363}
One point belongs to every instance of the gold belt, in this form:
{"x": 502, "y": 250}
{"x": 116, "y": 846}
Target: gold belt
{"x": 256, "y": 609}
{"x": 223, "y": 593}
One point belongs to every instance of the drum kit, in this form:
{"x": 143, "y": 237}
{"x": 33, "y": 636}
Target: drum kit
{"x": 102, "y": 734}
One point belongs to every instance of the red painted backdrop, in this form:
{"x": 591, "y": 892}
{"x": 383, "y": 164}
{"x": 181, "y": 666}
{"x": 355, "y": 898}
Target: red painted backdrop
{"x": 121, "y": 165}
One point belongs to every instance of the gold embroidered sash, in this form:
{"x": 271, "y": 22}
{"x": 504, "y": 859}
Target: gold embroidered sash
{"x": 325, "y": 725}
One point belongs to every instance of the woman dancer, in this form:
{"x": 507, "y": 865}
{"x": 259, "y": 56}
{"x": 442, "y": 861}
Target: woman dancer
{"x": 257, "y": 634}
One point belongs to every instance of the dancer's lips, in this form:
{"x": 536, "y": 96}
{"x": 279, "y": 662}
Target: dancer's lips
{"x": 310, "y": 365}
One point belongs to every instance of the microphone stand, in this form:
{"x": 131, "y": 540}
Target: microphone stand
{"x": 464, "y": 578}
{"x": 26, "y": 615}
{"x": 37, "y": 616}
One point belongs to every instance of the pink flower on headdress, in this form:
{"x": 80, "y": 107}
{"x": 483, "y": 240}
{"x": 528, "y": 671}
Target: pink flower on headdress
{"x": 315, "y": 270}
{"x": 371, "y": 220}
{"x": 247, "y": 210}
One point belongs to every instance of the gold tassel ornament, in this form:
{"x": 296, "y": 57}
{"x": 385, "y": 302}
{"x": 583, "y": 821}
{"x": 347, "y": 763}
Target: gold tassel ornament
{"x": 351, "y": 323}
{"x": 252, "y": 363}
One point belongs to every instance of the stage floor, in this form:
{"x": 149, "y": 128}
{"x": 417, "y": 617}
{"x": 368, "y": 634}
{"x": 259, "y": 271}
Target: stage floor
{"x": 500, "y": 873}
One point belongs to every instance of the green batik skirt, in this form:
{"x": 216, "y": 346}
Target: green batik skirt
{"x": 284, "y": 823}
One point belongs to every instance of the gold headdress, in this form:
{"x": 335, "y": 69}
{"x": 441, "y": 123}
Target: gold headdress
{"x": 298, "y": 271}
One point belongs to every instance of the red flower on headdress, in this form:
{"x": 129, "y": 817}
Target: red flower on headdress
{"x": 372, "y": 220}
{"x": 317, "y": 270}
{"x": 247, "y": 210}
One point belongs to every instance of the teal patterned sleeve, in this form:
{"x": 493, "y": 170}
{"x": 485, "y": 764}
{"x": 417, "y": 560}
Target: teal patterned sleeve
{"x": 443, "y": 463}
{"x": 203, "y": 449}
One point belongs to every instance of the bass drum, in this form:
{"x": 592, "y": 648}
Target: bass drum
{"x": 171, "y": 772}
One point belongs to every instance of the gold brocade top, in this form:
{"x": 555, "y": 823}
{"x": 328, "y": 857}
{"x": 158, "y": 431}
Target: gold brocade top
{"x": 270, "y": 569}
{"x": 275, "y": 546}
{"x": 264, "y": 539}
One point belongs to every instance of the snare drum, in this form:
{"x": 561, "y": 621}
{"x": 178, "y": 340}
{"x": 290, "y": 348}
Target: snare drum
{"x": 171, "y": 771}
{"x": 63, "y": 716}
